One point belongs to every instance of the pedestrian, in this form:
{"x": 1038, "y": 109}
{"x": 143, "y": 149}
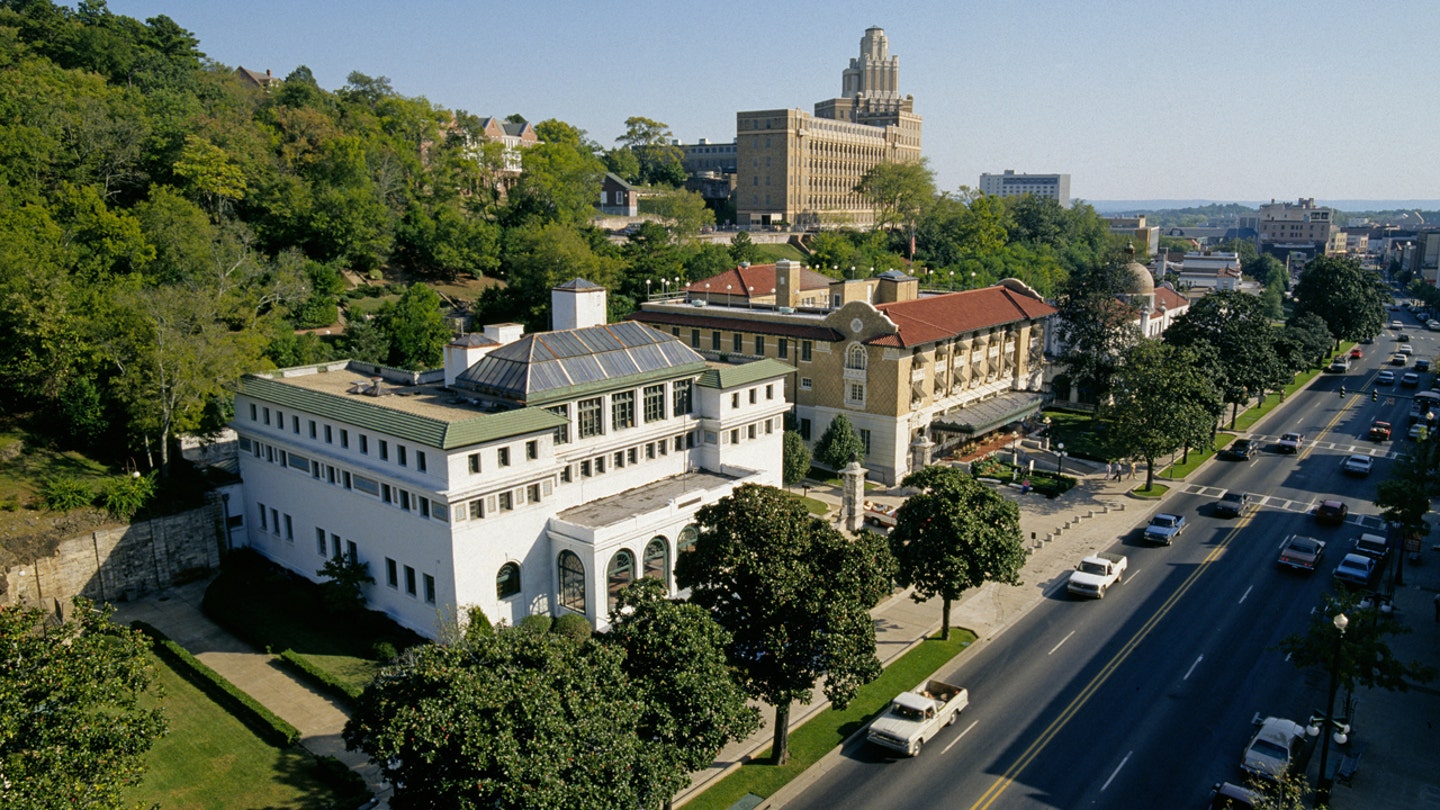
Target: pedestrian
{"x": 1119, "y": 468}
{"x": 1109, "y": 470}
{"x": 1132, "y": 469}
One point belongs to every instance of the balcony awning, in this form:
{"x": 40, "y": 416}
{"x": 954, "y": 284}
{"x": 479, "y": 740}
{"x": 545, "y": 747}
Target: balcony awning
{"x": 983, "y": 417}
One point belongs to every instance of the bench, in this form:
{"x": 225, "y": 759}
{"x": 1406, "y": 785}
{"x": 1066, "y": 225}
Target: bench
{"x": 1349, "y": 764}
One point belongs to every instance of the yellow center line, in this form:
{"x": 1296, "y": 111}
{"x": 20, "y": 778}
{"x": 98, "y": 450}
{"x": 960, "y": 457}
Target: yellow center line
{"x": 988, "y": 798}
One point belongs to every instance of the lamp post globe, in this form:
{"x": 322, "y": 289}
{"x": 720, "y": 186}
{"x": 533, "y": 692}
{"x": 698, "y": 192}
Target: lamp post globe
{"x": 1322, "y": 786}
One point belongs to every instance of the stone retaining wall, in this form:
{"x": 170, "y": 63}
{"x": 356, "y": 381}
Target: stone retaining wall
{"x": 122, "y": 562}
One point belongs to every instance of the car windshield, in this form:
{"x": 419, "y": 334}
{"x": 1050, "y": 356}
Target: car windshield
{"x": 1092, "y": 568}
{"x": 1303, "y": 546}
{"x": 1164, "y": 521}
{"x": 1269, "y": 750}
{"x": 1232, "y": 496}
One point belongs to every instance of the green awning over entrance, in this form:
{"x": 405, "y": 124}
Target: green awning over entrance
{"x": 983, "y": 417}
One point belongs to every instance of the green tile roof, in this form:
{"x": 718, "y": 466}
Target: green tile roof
{"x": 434, "y": 428}
{"x": 744, "y": 374}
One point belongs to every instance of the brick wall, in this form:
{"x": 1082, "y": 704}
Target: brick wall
{"x": 124, "y": 562}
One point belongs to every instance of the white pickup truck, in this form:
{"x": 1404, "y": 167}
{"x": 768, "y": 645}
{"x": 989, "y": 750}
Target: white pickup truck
{"x": 1096, "y": 573}
{"x": 915, "y": 717}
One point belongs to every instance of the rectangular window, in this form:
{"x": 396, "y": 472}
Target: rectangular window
{"x": 711, "y": 437}
{"x": 760, "y": 345}
{"x": 409, "y": 580}
{"x": 384, "y": 450}
{"x": 507, "y": 501}
{"x": 312, "y": 428}
{"x": 429, "y": 589}
{"x": 386, "y": 494}
{"x": 806, "y": 384}
{"x": 735, "y": 436}
{"x": 769, "y": 425}
{"x": 474, "y": 463}
{"x": 267, "y": 416}
{"x": 439, "y": 511}
{"x": 590, "y": 417}
{"x": 345, "y": 479}
{"x": 599, "y": 465}
{"x": 274, "y": 520}
{"x": 364, "y": 445}
{"x": 752, "y": 431}
{"x": 865, "y": 440}
{"x": 299, "y": 462}
{"x": 754, "y": 395}
{"x": 295, "y": 425}
{"x": 694, "y": 344}
{"x": 252, "y": 413}
{"x": 246, "y": 446}
{"x": 320, "y": 541}
{"x": 562, "y": 433}
{"x": 404, "y": 499}
{"x": 369, "y": 486}
{"x": 735, "y": 400}
{"x": 737, "y": 343}
{"x": 649, "y": 451}
{"x": 805, "y": 429}
{"x": 532, "y": 449}
{"x": 806, "y": 347}
{"x": 264, "y": 524}
{"x": 654, "y": 403}
{"x": 585, "y": 471}
{"x": 619, "y": 460}
{"x": 715, "y": 341}
{"x": 680, "y": 397}
{"x": 679, "y": 443}
{"x": 401, "y": 455}
{"x": 565, "y": 474}
{"x": 632, "y": 455}
{"x": 502, "y": 456}
{"x": 532, "y": 493}
{"x": 344, "y": 438}
{"x": 420, "y": 460}
{"x": 335, "y": 545}
{"x": 770, "y": 391}
{"x": 392, "y": 573}
{"x": 352, "y": 551}
{"x": 477, "y": 509}
{"x": 784, "y": 347}
{"x": 622, "y": 410}
{"x": 329, "y": 435}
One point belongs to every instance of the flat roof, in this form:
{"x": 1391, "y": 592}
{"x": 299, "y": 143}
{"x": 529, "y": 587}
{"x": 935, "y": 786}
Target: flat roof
{"x": 652, "y": 497}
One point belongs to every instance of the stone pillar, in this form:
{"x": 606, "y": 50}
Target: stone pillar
{"x": 853, "y": 496}
{"x": 921, "y": 452}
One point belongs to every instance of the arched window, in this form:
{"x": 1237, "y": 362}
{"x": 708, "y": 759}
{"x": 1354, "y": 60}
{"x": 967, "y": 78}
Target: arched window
{"x": 687, "y": 540}
{"x": 507, "y": 582}
{"x": 620, "y": 574}
{"x": 855, "y": 357}
{"x": 572, "y": 582}
{"x": 657, "y": 560}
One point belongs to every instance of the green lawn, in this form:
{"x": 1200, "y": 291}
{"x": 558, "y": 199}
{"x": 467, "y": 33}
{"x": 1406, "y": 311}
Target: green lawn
{"x": 828, "y": 729}
{"x": 782, "y": 250}
{"x": 211, "y": 760}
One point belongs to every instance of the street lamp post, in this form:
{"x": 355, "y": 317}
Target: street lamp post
{"x": 1047, "y": 433}
{"x": 1059, "y": 458}
{"x": 1322, "y": 787}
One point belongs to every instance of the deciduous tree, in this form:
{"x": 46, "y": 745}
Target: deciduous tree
{"x": 955, "y": 534}
{"x": 795, "y": 458}
{"x": 1095, "y": 327}
{"x": 73, "y": 730}
{"x": 898, "y": 192}
{"x": 1350, "y": 299}
{"x": 1164, "y": 399}
{"x": 794, "y": 594}
{"x": 839, "y": 444}
{"x": 1233, "y": 329}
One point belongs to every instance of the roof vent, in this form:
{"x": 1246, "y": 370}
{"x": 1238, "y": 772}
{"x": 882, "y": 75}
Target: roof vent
{"x": 697, "y": 303}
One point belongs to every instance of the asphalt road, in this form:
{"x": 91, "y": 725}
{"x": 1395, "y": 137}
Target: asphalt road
{"x": 1146, "y": 697}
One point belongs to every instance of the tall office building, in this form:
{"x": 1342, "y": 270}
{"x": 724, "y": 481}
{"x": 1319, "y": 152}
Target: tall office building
{"x": 1010, "y": 184}
{"x": 801, "y": 169}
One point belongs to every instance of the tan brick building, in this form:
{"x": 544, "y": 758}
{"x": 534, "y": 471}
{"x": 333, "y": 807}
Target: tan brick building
{"x": 801, "y": 169}
{"x": 915, "y": 371}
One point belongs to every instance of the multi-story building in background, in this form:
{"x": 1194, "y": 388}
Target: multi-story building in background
{"x": 1145, "y": 238}
{"x": 1009, "y": 184}
{"x": 801, "y": 169}
{"x": 533, "y": 474}
{"x": 1298, "y": 232}
{"x": 917, "y": 372}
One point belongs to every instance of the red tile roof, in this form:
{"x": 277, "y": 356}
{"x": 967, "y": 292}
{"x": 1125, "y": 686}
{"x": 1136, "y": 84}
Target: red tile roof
{"x": 1169, "y": 299}
{"x": 658, "y": 318}
{"x": 926, "y": 320}
{"x": 759, "y": 277}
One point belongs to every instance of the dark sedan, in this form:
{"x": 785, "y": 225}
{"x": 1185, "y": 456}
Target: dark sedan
{"x": 1239, "y": 450}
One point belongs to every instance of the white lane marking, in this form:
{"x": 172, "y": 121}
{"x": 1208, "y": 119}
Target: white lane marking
{"x": 1287, "y": 657}
{"x": 1191, "y": 671}
{"x": 1247, "y": 593}
{"x": 1062, "y": 641}
{"x": 958, "y": 736}
{"x": 1116, "y": 773}
{"x": 1129, "y": 575}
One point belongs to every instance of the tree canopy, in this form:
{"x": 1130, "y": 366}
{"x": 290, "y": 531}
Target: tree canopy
{"x": 1165, "y": 399}
{"x": 955, "y": 534}
{"x": 1350, "y": 299}
{"x": 794, "y": 594}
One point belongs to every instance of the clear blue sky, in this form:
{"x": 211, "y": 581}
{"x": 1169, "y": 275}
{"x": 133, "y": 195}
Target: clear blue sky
{"x": 1219, "y": 100}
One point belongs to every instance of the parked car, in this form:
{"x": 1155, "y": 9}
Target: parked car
{"x": 1356, "y": 570}
{"x": 1301, "y": 552}
{"x": 1410, "y": 379}
{"x": 1290, "y": 442}
{"x": 1239, "y": 450}
{"x": 1374, "y": 546}
{"x": 1380, "y": 430}
{"x": 1386, "y": 377}
{"x": 1233, "y": 503}
{"x": 1332, "y": 512}
{"x": 1272, "y": 748}
{"x": 1228, "y": 796}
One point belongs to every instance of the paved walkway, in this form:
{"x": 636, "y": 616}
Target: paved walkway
{"x": 1399, "y": 768}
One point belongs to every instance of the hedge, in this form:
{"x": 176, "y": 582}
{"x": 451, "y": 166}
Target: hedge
{"x": 246, "y": 709}
{"x": 320, "y": 678}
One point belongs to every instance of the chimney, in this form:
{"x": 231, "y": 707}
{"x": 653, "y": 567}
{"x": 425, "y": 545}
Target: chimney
{"x": 787, "y": 282}
{"x": 375, "y": 386}
{"x": 578, "y": 304}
